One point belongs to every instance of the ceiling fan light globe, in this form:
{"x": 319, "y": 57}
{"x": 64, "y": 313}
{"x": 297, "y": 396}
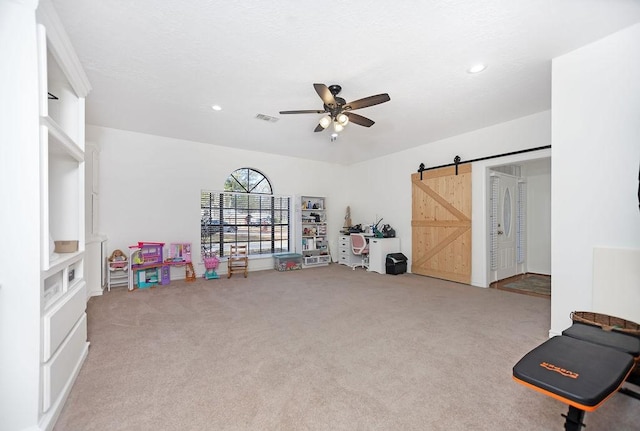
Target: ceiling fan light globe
{"x": 325, "y": 121}
{"x": 337, "y": 126}
{"x": 343, "y": 119}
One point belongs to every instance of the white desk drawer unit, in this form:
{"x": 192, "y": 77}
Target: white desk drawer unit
{"x": 344, "y": 250}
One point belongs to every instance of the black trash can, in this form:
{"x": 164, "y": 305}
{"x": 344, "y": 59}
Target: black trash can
{"x": 396, "y": 263}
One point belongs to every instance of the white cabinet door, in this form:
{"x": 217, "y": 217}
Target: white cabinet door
{"x": 378, "y": 250}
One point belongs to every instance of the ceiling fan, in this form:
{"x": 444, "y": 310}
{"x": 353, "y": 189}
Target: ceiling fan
{"x": 338, "y": 110}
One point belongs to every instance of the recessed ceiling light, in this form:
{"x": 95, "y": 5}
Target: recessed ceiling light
{"x": 477, "y": 68}
{"x": 216, "y": 107}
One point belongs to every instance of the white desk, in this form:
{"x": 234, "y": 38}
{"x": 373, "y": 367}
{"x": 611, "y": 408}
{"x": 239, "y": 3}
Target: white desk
{"x": 378, "y": 250}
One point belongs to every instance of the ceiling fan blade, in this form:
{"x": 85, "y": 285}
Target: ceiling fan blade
{"x": 325, "y": 95}
{"x": 304, "y": 111}
{"x": 318, "y": 128}
{"x": 359, "y": 119}
{"x": 366, "y": 102}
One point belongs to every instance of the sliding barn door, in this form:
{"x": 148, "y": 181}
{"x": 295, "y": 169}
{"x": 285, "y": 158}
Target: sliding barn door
{"x": 441, "y": 224}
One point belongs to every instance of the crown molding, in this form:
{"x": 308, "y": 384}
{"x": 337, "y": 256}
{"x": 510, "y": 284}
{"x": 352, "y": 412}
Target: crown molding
{"x": 61, "y": 48}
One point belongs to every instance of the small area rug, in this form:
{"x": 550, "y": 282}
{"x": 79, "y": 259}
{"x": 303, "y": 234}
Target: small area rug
{"x": 531, "y": 284}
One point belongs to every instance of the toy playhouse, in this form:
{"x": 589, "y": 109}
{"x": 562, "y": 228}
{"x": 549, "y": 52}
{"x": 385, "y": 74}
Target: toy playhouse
{"x": 148, "y": 268}
{"x": 147, "y": 265}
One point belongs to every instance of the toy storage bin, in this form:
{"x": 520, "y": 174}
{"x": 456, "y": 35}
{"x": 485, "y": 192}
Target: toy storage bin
{"x": 287, "y": 261}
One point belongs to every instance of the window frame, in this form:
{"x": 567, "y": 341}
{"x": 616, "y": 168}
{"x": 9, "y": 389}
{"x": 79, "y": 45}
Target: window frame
{"x": 229, "y": 217}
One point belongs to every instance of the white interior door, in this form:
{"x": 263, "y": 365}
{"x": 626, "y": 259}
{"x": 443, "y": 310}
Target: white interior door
{"x": 507, "y": 200}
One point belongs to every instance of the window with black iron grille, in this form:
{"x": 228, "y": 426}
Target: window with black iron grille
{"x": 246, "y": 212}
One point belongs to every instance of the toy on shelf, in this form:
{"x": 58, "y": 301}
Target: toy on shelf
{"x": 118, "y": 260}
{"x": 118, "y": 268}
{"x": 136, "y": 257}
{"x": 211, "y": 263}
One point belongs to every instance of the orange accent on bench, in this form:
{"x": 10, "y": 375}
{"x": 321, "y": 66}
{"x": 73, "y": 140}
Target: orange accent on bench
{"x": 561, "y": 371}
{"x": 568, "y": 401}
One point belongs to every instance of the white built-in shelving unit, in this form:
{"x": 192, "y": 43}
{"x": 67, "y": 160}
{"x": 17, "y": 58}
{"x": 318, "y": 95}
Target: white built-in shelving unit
{"x": 63, "y": 87}
{"x": 43, "y": 324}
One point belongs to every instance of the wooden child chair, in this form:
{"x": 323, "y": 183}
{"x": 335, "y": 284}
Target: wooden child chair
{"x": 238, "y": 260}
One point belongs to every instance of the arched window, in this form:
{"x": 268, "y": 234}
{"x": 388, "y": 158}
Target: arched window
{"x": 247, "y": 180}
{"x": 245, "y": 212}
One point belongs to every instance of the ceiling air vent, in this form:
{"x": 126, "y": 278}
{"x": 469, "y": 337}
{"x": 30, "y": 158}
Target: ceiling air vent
{"x": 268, "y": 118}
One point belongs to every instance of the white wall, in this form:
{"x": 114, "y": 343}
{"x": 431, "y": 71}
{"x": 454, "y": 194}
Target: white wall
{"x": 19, "y": 218}
{"x": 150, "y": 186}
{"x": 538, "y": 177}
{"x": 596, "y": 152}
{"x": 616, "y": 275}
{"x": 382, "y": 187}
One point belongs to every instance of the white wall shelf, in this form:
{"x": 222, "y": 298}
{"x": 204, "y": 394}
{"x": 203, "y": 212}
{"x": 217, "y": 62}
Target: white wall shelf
{"x": 59, "y": 142}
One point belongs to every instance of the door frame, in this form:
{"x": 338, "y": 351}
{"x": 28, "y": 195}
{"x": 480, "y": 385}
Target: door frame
{"x": 480, "y": 230}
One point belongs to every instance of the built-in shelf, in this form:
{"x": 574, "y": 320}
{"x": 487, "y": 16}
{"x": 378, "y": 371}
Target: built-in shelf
{"x": 63, "y": 338}
{"x": 59, "y": 142}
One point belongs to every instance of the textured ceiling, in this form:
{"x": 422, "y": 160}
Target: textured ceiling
{"x": 157, "y": 66}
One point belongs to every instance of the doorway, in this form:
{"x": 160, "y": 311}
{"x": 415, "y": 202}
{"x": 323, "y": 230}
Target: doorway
{"x": 519, "y": 214}
{"x": 508, "y": 220}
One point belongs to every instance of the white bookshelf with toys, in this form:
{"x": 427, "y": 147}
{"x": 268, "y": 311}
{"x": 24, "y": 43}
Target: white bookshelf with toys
{"x": 313, "y": 243}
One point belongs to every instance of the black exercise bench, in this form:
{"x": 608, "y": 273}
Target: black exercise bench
{"x": 583, "y": 367}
